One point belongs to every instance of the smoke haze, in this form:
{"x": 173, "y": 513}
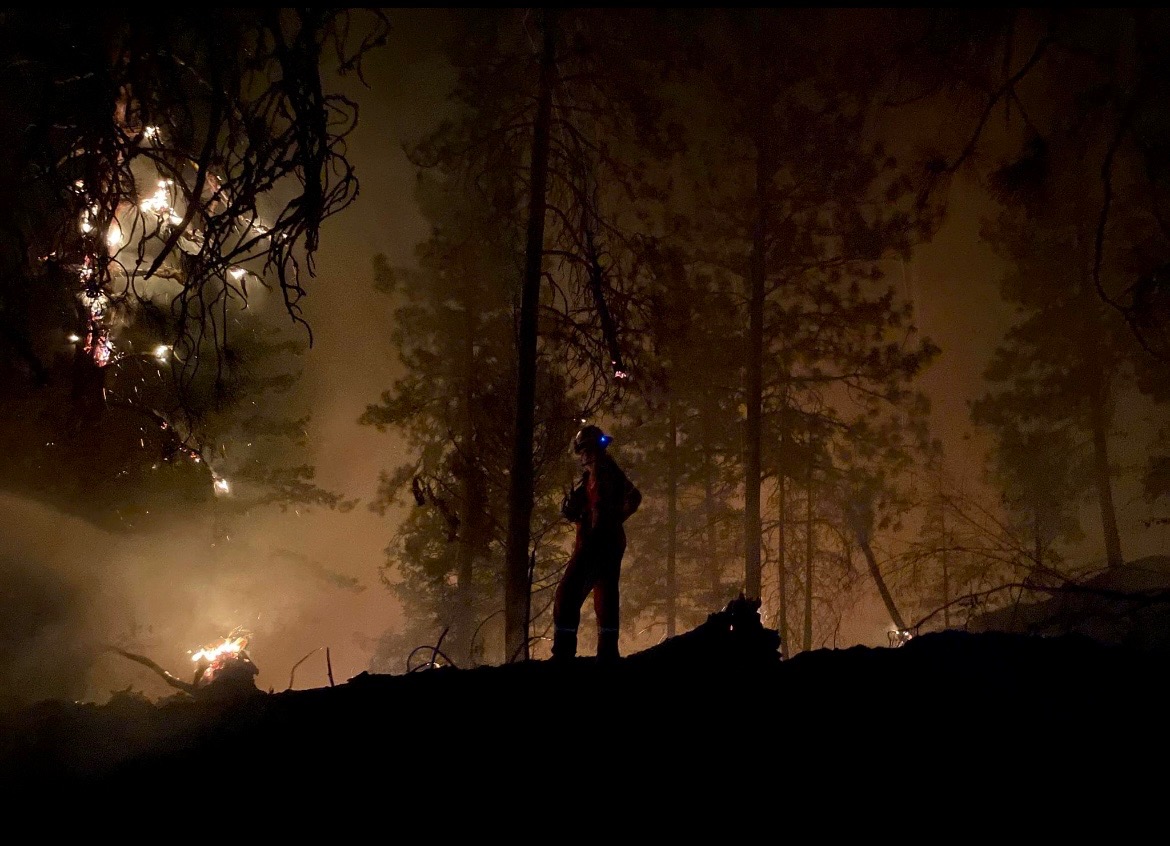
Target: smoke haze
{"x": 304, "y": 581}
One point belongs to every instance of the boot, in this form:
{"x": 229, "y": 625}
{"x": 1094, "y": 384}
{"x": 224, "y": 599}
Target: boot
{"x": 607, "y": 646}
{"x": 564, "y": 647}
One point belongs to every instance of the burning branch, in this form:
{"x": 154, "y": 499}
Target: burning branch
{"x": 174, "y": 682}
{"x": 224, "y": 665}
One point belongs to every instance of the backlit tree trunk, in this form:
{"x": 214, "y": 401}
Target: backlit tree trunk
{"x": 672, "y": 520}
{"x": 473, "y": 499}
{"x": 752, "y": 529}
{"x": 712, "y": 526}
{"x": 782, "y": 563}
{"x": 520, "y": 495}
{"x": 946, "y": 571}
{"x": 1099, "y": 420}
{"x": 806, "y": 645}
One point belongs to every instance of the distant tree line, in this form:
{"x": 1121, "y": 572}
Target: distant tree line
{"x": 689, "y": 227}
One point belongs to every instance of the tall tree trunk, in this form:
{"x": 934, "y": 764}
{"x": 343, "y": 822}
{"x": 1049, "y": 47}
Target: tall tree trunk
{"x": 752, "y": 529}
{"x": 1037, "y": 534}
{"x": 1098, "y": 378}
{"x": 470, "y": 522}
{"x": 782, "y": 564}
{"x": 1099, "y": 420}
{"x": 672, "y": 519}
{"x": 808, "y": 560}
{"x": 946, "y": 573}
{"x": 715, "y": 584}
{"x": 861, "y": 521}
{"x": 520, "y": 494}
{"x": 472, "y": 501}
{"x": 880, "y": 582}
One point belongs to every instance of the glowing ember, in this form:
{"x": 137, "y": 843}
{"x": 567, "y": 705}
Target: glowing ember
{"x": 99, "y": 345}
{"x": 160, "y": 201}
{"x": 899, "y": 637}
{"x": 227, "y": 657}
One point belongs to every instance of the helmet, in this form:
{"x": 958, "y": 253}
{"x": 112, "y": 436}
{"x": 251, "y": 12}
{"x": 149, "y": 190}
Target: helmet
{"x": 590, "y": 436}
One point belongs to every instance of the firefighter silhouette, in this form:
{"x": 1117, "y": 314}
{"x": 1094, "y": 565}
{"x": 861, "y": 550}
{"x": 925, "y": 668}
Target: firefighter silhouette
{"x": 598, "y": 504}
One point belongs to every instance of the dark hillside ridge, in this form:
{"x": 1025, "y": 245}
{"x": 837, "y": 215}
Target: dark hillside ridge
{"x": 717, "y": 699}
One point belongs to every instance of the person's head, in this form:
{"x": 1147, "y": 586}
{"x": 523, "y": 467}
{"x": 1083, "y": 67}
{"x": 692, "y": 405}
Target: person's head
{"x": 589, "y": 443}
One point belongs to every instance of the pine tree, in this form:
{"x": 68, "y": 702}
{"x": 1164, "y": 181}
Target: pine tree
{"x": 1062, "y": 368}
{"x": 546, "y": 99}
{"x": 804, "y": 208}
{"x": 454, "y": 334}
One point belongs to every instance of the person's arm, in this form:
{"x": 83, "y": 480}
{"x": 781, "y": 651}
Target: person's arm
{"x": 575, "y": 505}
{"x": 631, "y": 500}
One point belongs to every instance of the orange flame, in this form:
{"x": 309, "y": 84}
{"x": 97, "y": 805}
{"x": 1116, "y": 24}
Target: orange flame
{"x": 229, "y": 648}
{"x": 214, "y": 659}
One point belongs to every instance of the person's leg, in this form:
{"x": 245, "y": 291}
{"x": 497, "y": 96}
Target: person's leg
{"x": 607, "y": 599}
{"x": 570, "y": 595}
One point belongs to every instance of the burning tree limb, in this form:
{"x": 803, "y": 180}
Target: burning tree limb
{"x": 224, "y": 666}
{"x": 179, "y": 684}
{"x": 609, "y": 330}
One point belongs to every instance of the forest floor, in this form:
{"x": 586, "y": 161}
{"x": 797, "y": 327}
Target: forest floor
{"x": 714, "y": 712}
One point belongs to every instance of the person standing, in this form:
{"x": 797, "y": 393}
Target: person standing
{"x": 598, "y": 505}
